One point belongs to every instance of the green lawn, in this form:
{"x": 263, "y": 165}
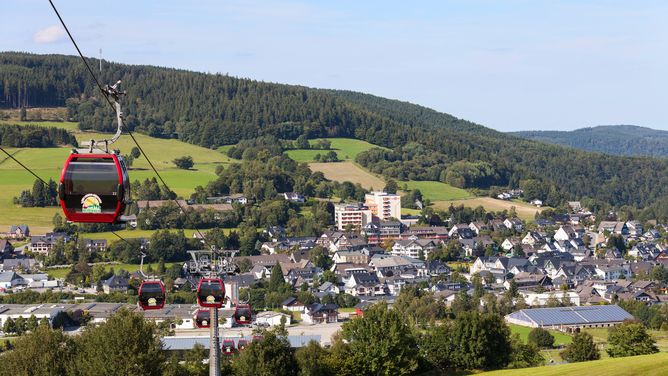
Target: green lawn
{"x": 644, "y": 365}
{"x": 435, "y": 190}
{"x": 559, "y": 337}
{"x": 345, "y": 148}
{"x": 62, "y": 272}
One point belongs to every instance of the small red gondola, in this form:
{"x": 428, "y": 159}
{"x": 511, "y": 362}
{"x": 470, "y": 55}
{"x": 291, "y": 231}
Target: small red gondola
{"x": 202, "y": 318}
{"x": 94, "y": 187}
{"x": 241, "y": 345}
{"x": 243, "y": 314}
{"x": 228, "y": 347}
{"x": 210, "y": 292}
{"x": 151, "y": 295}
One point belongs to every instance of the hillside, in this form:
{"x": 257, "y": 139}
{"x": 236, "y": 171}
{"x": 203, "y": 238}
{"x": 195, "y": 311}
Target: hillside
{"x": 610, "y": 139}
{"x": 644, "y": 365}
{"x": 215, "y": 110}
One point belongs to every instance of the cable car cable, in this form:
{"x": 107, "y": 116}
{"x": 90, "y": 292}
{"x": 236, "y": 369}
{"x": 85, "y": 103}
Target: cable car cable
{"x": 97, "y": 82}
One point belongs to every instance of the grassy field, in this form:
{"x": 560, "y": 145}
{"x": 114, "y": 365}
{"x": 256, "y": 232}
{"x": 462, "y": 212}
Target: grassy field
{"x": 559, "y": 337}
{"x": 48, "y": 162}
{"x": 435, "y": 190}
{"x": 345, "y": 148}
{"x": 348, "y": 171}
{"x": 524, "y": 211}
{"x": 133, "y": 234}
{"x": 645, "y": 365}
{"x": 62, "y": 272}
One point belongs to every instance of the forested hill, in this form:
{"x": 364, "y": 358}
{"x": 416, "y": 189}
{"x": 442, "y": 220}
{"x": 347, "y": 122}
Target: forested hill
{"x": 611, "y": 139}
{"x": 213, "y": 110}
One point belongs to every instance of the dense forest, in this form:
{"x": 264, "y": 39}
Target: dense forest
{"x": 213, "y": 110}
{"x": 610, "y": 139}
{"x": 31, "y": 136}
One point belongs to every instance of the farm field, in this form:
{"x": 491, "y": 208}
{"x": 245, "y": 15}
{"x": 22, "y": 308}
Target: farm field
{"x": 62, "y": 272}
{"x": 524, "y": 211}
{"x": 48, "y": 162}
{"x": 435, "y": 190}
{"x": 345, "y": 148}
{"x": 645, "y": 365}
{"x": 348, "y": 171}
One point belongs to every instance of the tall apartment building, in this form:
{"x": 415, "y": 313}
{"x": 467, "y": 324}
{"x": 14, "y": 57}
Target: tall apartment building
{"x": 355, "y": 215}
{"x": 384, "y": 205}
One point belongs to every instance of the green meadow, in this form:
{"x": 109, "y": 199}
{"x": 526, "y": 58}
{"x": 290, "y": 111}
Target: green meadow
{"x": 643, "y": 365}
{"x": 435, "y": 190}
{"x": 345, "y": 148}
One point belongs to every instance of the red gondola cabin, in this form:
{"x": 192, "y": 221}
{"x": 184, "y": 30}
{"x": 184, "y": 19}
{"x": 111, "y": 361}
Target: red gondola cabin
{"x": 228, "y": 347}
{"x": 94, "y": 188}
{"x": 210, "y": 293}
{"x": 202, "y": 318}
{"x": 151, "y": 295}
{"x": 243, "y": 315}
{"x": 241, "y": 345}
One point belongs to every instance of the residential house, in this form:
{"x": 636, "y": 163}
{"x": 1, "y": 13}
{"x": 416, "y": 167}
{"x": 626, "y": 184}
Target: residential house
{"x": 95, "y": 245}
{"x": 292, "y": 304}
{"x": 5, "y": 248}
{"x": 478, "y": 227}
{"x": 514, "y": 224}
{"x": 9, "y": 280}
{"x": 18, "y": 232}
{"x": 44, "y": 243}
{"x": 618, "y": 228}
{"x": 635, "y": 228}
{"x": 271, "y": 318}
{"x": 22, "y": 265}
{"x": 354, "y": 257}
{"x": 509, "y": 243}
{"x": 293, "y": 197}
{"x": 318, "y": 313}
{"x": 534, "y": 239}
{"x": 414, "y": 247}
{"x": 115, "y": 284}
{"x": 364, "y": 284}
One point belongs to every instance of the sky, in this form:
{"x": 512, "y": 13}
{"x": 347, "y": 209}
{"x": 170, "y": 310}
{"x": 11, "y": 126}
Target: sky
{"x": 506, "y": 64}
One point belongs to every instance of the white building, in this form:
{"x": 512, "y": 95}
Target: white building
{"x": 384, "y": 205}
{"x": 354, "y": 215}
{"x": 271, "y": 318}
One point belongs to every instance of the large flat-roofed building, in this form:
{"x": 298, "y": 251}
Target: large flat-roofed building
{"x": 384, "y": 205}
{"x": 570, "y": 319}
{"x": 354, "y": 215}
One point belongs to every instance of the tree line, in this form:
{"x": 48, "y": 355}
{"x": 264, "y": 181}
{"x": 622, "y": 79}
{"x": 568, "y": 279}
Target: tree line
{"x": 33, "y": 136}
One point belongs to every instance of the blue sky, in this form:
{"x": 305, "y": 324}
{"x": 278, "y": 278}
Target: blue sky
{"x": 509, "y": 65}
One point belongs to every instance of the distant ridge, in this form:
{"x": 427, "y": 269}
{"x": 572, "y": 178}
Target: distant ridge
{"x": 629, "y": 140}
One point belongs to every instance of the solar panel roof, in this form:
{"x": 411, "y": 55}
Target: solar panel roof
{"x": 572, "y": 315}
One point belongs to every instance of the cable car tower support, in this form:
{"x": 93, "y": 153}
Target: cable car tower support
{"x": 211, "y": 264}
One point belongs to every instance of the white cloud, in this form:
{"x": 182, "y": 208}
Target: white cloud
{"x": 49, "y": 35}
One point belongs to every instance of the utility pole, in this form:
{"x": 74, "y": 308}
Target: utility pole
{"x": 214, "y": 345}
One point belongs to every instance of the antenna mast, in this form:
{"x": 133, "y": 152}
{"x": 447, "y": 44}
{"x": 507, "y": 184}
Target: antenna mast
{"x": 100, "y": 61}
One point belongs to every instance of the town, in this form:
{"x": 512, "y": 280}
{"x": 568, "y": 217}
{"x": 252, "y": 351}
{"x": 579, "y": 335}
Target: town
{"x": 570, "y": 259}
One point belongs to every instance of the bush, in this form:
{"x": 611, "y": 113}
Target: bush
{"x": 185, "y": 162}
{"x": 541, "y": 338}
{"x": 581, "y": 349}
{"x": 630, "y": 339}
